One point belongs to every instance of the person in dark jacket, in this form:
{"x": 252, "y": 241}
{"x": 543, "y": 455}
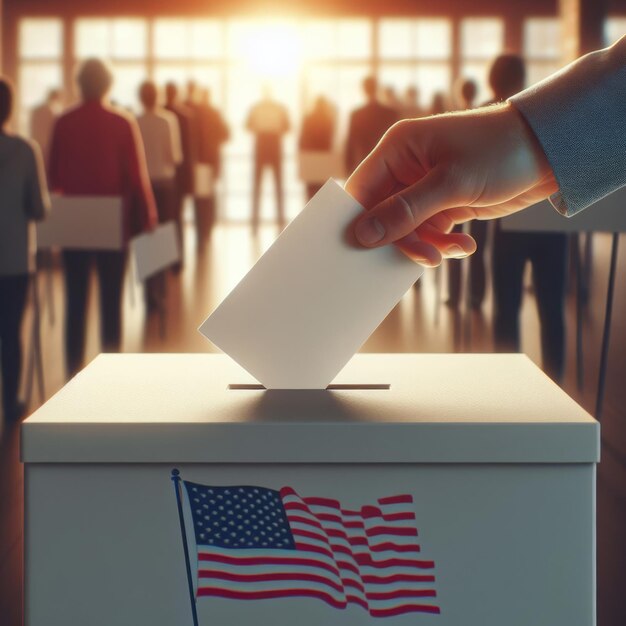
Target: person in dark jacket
{"x": 367, "y": 125}
{"x": 23, "y": 198}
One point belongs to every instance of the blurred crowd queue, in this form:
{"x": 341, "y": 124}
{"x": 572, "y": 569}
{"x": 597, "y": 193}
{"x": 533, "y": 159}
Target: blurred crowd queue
{"x": 157, "y": 160}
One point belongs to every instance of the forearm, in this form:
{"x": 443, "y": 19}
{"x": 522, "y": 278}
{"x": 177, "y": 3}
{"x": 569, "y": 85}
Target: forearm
{"x": 579, "y": 118}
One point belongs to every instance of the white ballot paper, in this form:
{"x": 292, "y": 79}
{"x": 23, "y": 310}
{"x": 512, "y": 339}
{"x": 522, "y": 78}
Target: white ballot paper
{"x": 154, "y": 251}
{"x": 311, "y": 301}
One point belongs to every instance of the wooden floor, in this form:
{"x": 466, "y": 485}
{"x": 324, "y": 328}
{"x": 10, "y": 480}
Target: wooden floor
{"x": 420, "y": 323}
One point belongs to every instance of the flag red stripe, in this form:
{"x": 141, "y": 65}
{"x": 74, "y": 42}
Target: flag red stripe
{"x": 330, "y": 517}
{"x": 305, "y": 520}
{"x": 388, "y": 545}
{"x": 349, "y": 582}
{"x": 219, "y": 558}
{"x": 301, "y": 545}
{"x": 375, "y": 531}
{"x": 402, "y": 593}
{"x": 403, "y": 499}
{"x": 297, "y": 532}
{"x": 390, "y": 530}
{"x": 357, "y": 600}
{"x": 269, "y": 594}
{"x": 256, "y": 578}
{"x": 362, "y": 559}
{"x": 405, "y": 608}
{"x": 398, "y": 578}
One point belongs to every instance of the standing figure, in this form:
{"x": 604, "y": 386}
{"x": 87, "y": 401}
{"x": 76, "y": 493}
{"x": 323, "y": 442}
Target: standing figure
{"x": 317, "y": 133}
{"x": 268, "y": 121}
{"x": 411, "y": 108}
{"x": 439, "y": 103}
{"x": 367, "y": 125}
{"x": 213, "y": 133}
{"x": 547, "y": 253}
{"x": 24, "y": 198}
{"x": 184, "y": 169}
{"x": 391, "y": 99}
{"x": 42, "y": 119}
{"x": 97, "y": 151}
{"x": 161, "y": 139}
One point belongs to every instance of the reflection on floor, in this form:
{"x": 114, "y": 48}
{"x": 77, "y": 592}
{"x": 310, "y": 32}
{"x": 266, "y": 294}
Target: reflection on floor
{"x": 420, "y": 323}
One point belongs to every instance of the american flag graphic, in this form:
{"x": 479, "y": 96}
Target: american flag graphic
{"x": 255, "y": 543}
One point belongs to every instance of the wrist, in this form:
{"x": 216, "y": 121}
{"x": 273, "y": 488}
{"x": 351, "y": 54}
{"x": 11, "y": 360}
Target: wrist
{"x": 525, "y": 137}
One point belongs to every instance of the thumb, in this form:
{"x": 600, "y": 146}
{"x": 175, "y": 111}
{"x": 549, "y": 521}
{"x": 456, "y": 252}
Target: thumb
{"x": 400, "y": 214}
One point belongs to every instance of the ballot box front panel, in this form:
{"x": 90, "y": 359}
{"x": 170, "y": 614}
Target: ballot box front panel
{"x": 510, "y": 544}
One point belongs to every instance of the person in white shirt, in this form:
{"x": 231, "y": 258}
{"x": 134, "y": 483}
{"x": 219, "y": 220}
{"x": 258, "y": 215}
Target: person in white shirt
{"x": 161, "y": 138}
{"x": 268, "y": 120}
{"x": 42, "y": 119}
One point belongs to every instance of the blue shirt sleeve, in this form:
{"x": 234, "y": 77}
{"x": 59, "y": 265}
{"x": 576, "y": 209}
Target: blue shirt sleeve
{"x": 579, "y": 118}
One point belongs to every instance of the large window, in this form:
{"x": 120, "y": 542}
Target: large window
{"x": 40, "y": 50}
{"x": 416, "y": 53}
{"x": 482, "y": 40}
{"x": 542, "y": 47}
{"x": 299, "y": 58}
{"x": 124, "y": 44}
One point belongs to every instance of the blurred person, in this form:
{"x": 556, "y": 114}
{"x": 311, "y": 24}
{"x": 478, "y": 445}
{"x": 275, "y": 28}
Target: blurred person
{"x": 97, "y": 151}
{"x": 24, "y": 198}
{"x": 391, "y": 99}
{"x": 411, "y": 108}
{"x": 466, "y": 92}
{"x": 439, "y": 103}
{"x": 466, "y": 95}
{"x": 213, "y": 133}
{"x": 268, "y": 121}
{"x": 367, "y": 125}
{"x": 317, "y": 133}
{"x": 547, "y": 253}
{"x": 42, "y": 119}
{"x": 184, "y": 169}
{"x": 161, "y": 140}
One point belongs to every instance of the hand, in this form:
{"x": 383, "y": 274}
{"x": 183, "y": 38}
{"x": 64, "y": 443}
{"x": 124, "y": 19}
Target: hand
{"x": 427, "y": 175}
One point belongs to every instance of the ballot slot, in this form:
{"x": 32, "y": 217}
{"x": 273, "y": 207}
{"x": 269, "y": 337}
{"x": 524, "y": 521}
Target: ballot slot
{"x": 336, "y": 387}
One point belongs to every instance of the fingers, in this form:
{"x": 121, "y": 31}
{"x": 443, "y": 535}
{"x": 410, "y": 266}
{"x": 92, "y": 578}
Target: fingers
{"x": 400, "y": 214}
{"x": 419, "y": 251}
{"x": 449, "y": 245}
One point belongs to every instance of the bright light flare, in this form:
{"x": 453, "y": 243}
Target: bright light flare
{"x": 273, "y": 50}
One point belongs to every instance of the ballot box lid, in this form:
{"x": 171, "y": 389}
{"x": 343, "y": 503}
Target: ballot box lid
{"x": 203, "y": 408}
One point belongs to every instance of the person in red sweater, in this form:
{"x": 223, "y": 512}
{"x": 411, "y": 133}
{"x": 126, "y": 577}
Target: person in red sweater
{"x": 97, "y": 150}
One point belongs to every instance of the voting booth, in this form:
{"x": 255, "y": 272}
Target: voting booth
{"x": 418, "y": 489}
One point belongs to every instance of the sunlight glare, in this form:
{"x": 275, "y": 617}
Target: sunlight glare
{"x": 273, "y": 49}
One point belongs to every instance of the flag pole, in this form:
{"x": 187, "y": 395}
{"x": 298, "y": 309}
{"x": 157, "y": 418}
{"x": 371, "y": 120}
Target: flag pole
{"x": 177, "y": 487}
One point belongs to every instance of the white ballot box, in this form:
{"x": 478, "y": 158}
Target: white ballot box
{"x": 607, "y": 215}
{"x": 444, "y": 490}
{"x": 83, "y": 222}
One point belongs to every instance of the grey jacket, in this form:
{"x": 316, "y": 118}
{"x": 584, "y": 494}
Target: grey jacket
{"x": 23, "y": 197}
{"x": 579, "y": 118}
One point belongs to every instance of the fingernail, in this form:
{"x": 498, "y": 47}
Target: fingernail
{"x": 456, "y": 252}
{"x": 369, "y": 231}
